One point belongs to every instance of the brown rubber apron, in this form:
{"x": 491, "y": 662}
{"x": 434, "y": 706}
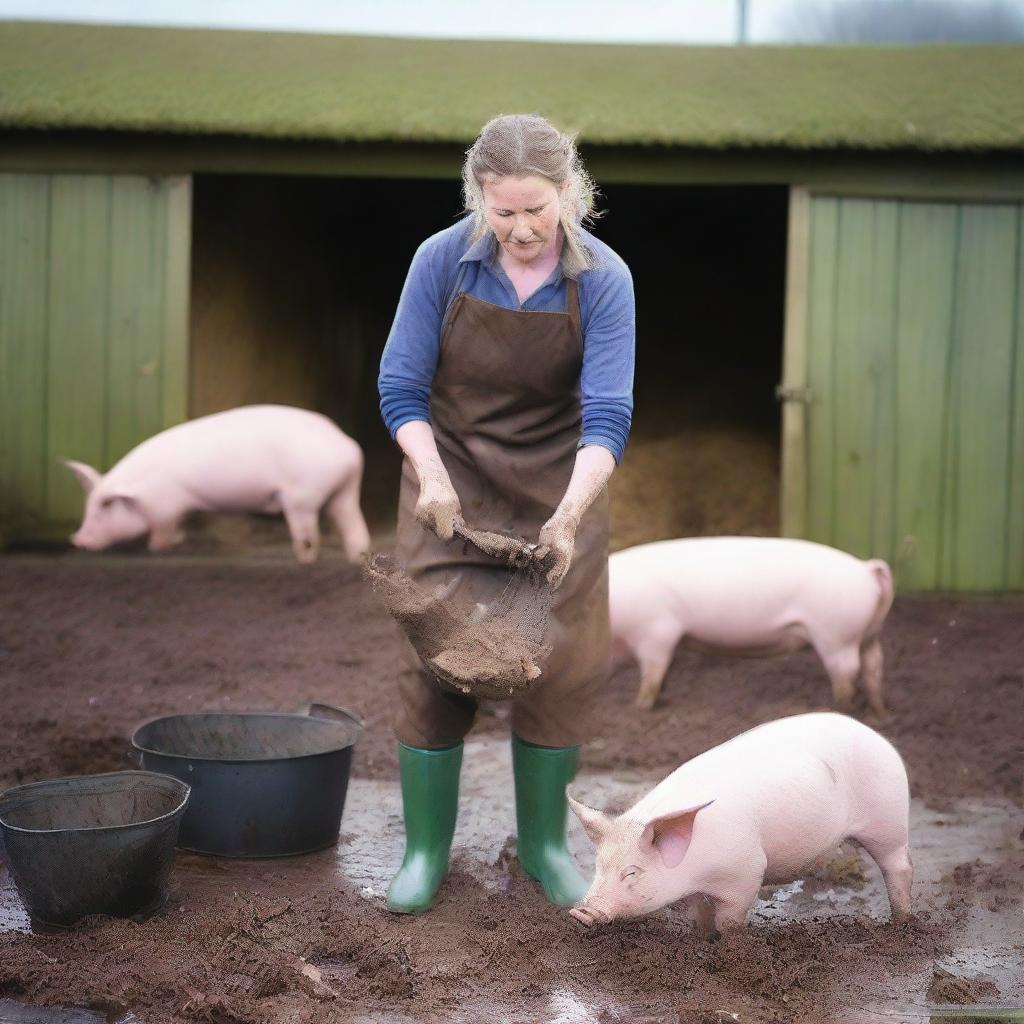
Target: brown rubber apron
{"x": 505, "y": 410}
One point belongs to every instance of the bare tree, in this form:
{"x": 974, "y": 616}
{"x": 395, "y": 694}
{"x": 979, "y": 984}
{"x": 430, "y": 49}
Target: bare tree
{"x": 901, "y": 21}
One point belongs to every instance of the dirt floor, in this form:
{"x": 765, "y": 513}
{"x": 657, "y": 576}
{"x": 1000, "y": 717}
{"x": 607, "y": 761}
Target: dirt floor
{"x": 90, "y": 646}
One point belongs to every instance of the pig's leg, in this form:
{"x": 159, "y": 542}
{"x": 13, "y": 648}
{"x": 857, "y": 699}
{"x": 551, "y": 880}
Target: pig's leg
{"x": 165, "y": 535}
{"x": 702, "y": 911}
{"x": 654, "y": 655}
{"x": 344, "y": 510}
{"x": 305, "y": 531}
{"x": 897, "y": 872}
{"x": 733, "y": 896}
{"x": 653, "y": 666}
{"x": 872, "y": 660}
{"x": 732, "y": 905}
{"x": 842, "y": 667}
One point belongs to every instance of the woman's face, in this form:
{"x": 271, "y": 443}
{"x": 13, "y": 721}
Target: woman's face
{"x": 523, "y": 214}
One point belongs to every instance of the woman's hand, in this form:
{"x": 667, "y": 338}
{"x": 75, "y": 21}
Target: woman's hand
{"x": 555, "y": 546}
{"x": 594, "y": 464}
{"x": 438, "y": 507}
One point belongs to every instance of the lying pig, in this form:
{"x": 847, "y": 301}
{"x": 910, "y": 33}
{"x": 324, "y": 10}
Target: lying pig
{"x": 750, "y": 595}
{"x": 758, "y": 809}
{"x": 258, "y": 458}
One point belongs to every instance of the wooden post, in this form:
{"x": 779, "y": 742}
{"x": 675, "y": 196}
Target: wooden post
{"x": 793, "y": 389}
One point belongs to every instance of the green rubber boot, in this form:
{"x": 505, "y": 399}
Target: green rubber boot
{"x": 541, "y": 775}
{"x": 430, "y": 801}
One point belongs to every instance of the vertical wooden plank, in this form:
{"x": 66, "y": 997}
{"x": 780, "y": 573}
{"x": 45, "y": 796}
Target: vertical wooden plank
{"x": 136, "y": 314}
{"x": 986, "y": 279}
{"x": 1014, "y": 569}
{"x": 951, "y": 425}
{"x": 821, "y": 298}
{"x": 128, "y": 257}
{"x": 793, "y": 498}
{"x": 177, "y": 249}
{"x": 865, "y": 295}
{"x": 928, "y": 239}
{"x": 24, "y": 213}
{"x": 78, "y": 300}
{"x": 880, "y": 348}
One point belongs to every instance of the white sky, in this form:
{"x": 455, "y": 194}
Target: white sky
{"x": 668, "y": 21}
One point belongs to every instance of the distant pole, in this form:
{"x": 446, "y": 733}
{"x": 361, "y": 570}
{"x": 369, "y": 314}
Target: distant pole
{"x": 742, "y": 10}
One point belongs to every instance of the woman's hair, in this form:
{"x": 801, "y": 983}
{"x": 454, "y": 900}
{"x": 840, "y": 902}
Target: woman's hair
{"x": 517, "y": 145}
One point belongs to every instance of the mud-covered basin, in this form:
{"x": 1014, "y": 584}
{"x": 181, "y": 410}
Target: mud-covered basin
{"x": 95, "y": 844}
{"x": 264, "y": 784}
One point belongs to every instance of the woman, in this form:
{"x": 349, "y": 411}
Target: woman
{"x": 507, "y": 382}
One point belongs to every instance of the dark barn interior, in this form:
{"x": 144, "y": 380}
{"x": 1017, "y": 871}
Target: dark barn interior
{"x": 295, "y": 282}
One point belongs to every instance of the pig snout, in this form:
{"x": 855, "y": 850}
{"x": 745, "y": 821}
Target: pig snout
{"x": 86, "y": 541}
{"x": 589, "y": 915}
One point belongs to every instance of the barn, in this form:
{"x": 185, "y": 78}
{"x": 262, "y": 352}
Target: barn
{"x": 827, "y": 247}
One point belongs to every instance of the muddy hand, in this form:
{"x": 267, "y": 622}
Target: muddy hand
{"x": 555, "y": 546}
{"x": 438, "y": 507}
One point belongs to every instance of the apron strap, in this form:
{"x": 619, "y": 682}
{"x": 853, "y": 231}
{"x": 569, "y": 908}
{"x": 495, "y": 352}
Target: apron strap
{"x": 572, "y": 307}
{"x": 453, "y": 312}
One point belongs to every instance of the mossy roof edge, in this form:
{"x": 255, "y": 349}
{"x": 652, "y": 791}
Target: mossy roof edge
{"x": 372, "y": 89}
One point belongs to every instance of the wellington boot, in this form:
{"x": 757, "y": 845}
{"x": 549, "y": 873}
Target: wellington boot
{"x": 430, "y": 799}
{"x": 541, "y": 775}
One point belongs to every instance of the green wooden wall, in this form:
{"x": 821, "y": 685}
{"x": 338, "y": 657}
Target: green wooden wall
{"x": 915, "y": 364}
{"x": 94, "y": 279}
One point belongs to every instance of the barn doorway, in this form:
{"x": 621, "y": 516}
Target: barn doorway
{"x": 295, "y": 282}
{"x": 708, "y": 265}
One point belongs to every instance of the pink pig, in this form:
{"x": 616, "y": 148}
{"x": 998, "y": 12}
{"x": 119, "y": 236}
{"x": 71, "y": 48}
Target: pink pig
{"x": 754, "y": 596}
{"x": 759, "y": 808}
{"x": 258, "y": 458}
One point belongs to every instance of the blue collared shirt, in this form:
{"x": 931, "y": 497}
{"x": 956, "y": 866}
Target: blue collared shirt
{"x": 445, "y": 264}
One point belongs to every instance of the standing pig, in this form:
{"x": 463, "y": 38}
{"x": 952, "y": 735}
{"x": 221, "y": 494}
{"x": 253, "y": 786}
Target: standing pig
{"x": 258, "y": 458}
{"x": 754, "y": 596}
{"x": 759, "y": 808}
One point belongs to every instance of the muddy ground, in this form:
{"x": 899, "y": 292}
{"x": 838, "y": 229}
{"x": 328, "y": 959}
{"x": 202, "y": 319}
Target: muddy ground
{"x": 92, "y": 645}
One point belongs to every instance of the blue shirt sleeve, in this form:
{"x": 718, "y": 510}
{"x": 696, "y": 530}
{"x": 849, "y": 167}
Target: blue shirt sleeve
{"x": 410, "y": 356}
{"x": 609, "y": 346}
{"x": 409, "y": 361}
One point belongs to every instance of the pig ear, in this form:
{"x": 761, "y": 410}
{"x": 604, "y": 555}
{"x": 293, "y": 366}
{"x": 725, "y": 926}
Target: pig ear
{"x": 87, "y": 476}
{"x": 595, "y": 823}
{"x": 670, "y": 834}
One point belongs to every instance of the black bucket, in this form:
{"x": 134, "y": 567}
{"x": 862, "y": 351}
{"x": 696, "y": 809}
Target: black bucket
{"x": 263, "y": 784}
{"x": 95, "y": 844}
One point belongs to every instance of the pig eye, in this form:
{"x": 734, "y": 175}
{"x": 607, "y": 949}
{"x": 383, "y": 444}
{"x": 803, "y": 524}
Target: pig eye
{"x": 107, "y": 502}
{"x": 630, "y": 872}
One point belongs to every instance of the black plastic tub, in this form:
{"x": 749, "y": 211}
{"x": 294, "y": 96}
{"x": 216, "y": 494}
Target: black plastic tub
{"x": 263, "y": 784}
{"x": 94, "y": 844}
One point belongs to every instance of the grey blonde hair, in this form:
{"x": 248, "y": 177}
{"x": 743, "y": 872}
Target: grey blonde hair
{"x": 517, "y": 145}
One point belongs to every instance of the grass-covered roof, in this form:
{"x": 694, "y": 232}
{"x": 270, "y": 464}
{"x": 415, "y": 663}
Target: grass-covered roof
{"x": 343, "y": 88}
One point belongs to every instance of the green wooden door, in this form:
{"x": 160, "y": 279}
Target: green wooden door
{"x": 94, "y": 283}
{"x": 914, "y": 359}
